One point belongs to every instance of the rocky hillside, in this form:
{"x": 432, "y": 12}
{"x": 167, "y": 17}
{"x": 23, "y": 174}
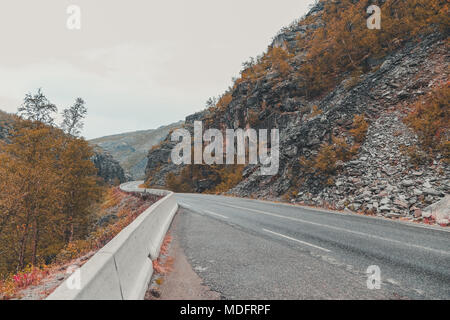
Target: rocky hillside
{"x": 131, "y": 149}
{"x": 363, "y": 114}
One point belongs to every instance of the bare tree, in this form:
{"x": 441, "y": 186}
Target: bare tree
{"x": 37, "y": 108}
{"x": 73, "y": 118}
{"x": 249, "y": 63}
{"x": 211, "y": 103}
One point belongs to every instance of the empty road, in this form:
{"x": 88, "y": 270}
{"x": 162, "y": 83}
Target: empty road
{"x": 250, "y": 249}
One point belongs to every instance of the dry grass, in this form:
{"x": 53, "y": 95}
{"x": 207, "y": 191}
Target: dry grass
{"x": 163, "y": 265}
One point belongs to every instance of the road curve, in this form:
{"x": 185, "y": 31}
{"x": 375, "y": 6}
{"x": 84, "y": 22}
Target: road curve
{"x": 251, "y": 249}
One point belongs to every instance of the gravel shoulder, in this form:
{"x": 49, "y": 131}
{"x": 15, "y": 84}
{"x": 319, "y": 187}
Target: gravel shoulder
{"x": 181, "y": 282}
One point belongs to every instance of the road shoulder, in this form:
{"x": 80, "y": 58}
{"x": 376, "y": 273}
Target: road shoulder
{"x": 178, "y": 281}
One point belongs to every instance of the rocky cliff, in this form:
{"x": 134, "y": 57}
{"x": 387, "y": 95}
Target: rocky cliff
{"x": 378, "y": 176}
{"x": 108, "y": 168}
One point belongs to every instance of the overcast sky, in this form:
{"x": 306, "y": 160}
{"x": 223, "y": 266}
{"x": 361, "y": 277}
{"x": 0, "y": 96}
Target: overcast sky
{"x": 139, "y": 64}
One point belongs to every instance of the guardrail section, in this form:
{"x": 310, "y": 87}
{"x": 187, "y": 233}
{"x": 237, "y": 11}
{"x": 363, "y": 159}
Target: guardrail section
{"x": 122, "y": 269}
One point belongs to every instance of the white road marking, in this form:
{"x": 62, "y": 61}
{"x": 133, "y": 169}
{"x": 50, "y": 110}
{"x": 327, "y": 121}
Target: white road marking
{"x": 323, "y": 210}
{"x": 340, "y": 229}
{"x": 293, "y": 239}
{"x": 215, "y": 214}
{"x": 205, "y": 211}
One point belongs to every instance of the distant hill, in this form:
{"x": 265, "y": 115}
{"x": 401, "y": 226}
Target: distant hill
{"x": 131, "y": 148}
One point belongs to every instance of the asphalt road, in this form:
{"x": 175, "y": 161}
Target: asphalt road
{"x": 250, "y": 249}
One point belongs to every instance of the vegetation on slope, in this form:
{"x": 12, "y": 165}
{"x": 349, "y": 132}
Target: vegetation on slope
{"x": 209, "y": 179}
{"x": 342, "y": 44}
{"x": 48, "y": 185}
{"x": 334, "y": 45}
{"x": 430, "y": 119}
{"x": 116, "y": 211}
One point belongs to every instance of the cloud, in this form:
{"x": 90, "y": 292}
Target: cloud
{"x": 138, "y": 64}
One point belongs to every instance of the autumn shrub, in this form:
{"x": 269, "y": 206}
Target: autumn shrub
{"x": 290, "y": 194}
{"x": 430, "y": 120}
{"x": 279, "y": 59}
{"x": 445, "y": 150}
{"x": 342, "y": 45}
{"x": 354, "y": 79}
{"x": 178, "y": 183}
{"x": 230, "y": 176}
{"x": 221, "y": 178}
{"x": 30, "y": 275}
{"x": 8, "y": 288}
{"x": 360, "y": 127}
{"x": 73, "y": 250}
{"x": 326, "y": 162}
{"x": 275, "y": 59}
{"x": 415, "y": 155}
{"x": 344, "y": 151}
{"x": 224, "y": 100}
{"x": 112, "y": 198}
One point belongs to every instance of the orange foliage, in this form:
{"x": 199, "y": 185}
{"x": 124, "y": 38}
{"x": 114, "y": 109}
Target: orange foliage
{"x": 344, "y": 42}
{"x": 230, "y": 176}
{"x": 325, "y": 163}
{"x": 160, "y": 266}
{"x": 127, "y": 208}
{"x": 224, "y": 101}
{"x": 279, "y": 58}
{"x": 223, "y": 178}
{"x": 112, "y": 198}
{"x": 30, "y": 275}
{"x": 430, "y": 119}
{"x": 360, "y": 127}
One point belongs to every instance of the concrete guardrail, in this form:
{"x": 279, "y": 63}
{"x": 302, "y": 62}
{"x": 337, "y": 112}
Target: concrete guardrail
{"x": 122, "y": 269}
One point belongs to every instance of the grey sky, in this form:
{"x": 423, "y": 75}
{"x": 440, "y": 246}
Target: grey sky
{"x": 138, "y": 64}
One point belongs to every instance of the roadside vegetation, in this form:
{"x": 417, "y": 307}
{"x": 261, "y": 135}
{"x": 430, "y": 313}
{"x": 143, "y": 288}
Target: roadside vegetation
{"x": 50, "y": 194}
{"x": 48, "y": 184}
{"x": 430, "y": 120}
{"x": 211, "y": 179}
{"x": 116, "y": 211}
